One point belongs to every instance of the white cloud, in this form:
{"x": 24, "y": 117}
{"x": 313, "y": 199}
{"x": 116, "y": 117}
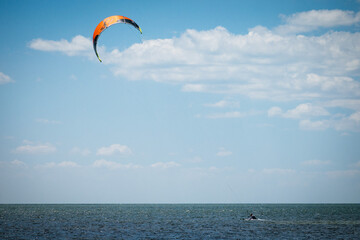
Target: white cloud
{"x": 234, "y": 114}
{"x": 306, "y": 110}
{"x": 275, "y": 111}
{"x": 315, "y": 163}
{"x": 278, "y": 171}
{"x": 64, "y": 164}
{"x": 314, "y": 125}
{"x": 165, "y": 165}
{"x": 102, "y": 163}
{"x": 351, "y": 123}
{"x": 67, "y": 164}
{"x": 5, "y": 78}
{"x": 314, "y": 19}
{"x": 32, "y": 148}
{"x": 47, "y": 121}
{"x": 18, "y": 163}
{"x": 355, "y": 117}
{"x": 327, "y": 83}
{"x": 261, "y": 64}
{"x": 223, "y": 152}
{"x": 79, "y": 45}
{"x": 195, "y": 88}
{"x": 105, "y": 163}
{"x": 344, "y": 173}
{"x": 346, "y": 123}
{"x": 353, "y": 104}
{"x": 309, "y": 114}
{"x": 114, "y": 149}
{"x": 223, "y": 104}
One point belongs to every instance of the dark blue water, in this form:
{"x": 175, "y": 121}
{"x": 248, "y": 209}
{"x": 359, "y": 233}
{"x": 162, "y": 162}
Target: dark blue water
{"x": 183, "y": 221}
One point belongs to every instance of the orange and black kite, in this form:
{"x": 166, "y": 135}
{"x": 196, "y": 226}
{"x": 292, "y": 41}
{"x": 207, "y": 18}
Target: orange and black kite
{"x": 107, "y": 22}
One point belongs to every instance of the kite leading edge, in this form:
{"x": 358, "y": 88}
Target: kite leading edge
{"x": 107, "y": 22}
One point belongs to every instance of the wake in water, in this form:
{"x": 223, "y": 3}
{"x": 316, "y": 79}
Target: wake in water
{"x": 253, "y": 218}
{"x": 257, "y": 219}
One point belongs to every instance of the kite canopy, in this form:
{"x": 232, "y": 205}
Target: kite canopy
{"x": 107, "y": 22}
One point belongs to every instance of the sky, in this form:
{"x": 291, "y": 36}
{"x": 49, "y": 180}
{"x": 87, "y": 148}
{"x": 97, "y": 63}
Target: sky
{"x": 216, "y": 102}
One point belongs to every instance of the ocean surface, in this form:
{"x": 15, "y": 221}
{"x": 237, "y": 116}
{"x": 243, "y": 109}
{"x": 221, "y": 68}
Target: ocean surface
{"x": 179, "y": 221}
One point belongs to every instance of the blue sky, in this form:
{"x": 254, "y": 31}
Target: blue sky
{"x": 217, "y": 102}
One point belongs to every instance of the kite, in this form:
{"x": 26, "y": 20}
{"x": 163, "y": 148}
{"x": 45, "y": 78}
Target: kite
{"x": 107, "y": 22}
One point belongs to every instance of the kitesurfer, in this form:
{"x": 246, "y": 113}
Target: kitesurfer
{"x": 252, "y": 217}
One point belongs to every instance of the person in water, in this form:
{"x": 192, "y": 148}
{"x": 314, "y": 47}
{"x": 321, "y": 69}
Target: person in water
{"x": 252, "y": 216}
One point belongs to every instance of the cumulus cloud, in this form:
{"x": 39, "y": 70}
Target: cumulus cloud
{"x": 165, "y": 165}
{"x": 231, "y": 114}
{"x": 67, "y": 164}
{"x": 223, "y": 104}
{"x": 317, "y": 117}
{"x": 114, "y": 149}
{"x": 327, "y": 84}
{"x": 32, "y": 148}
{"x": 102, "y": 163}
{"x": 18, "y": 163}
{"x": 78, "y": 46}
{"x": 305, "y": 110}
{"x": 261, "y": 64}
{"x": 308, "y": 110}
{"x": 275, "y": 111}
{"x": 314, "y": 125}
{"x": 353, "y": 104}
{"x": 5, "y": 79}
{"x": 234, "y": 114}
{"x": 344, "y": 123}
{"x": 276, "y": 65}
{"x": 64, "y": 164}
{"x": 355, "y": 117}
{"x": 314, "y": 19}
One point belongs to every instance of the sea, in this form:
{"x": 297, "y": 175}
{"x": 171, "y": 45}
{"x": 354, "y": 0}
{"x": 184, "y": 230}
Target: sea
{"x": 179, "y": 221}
